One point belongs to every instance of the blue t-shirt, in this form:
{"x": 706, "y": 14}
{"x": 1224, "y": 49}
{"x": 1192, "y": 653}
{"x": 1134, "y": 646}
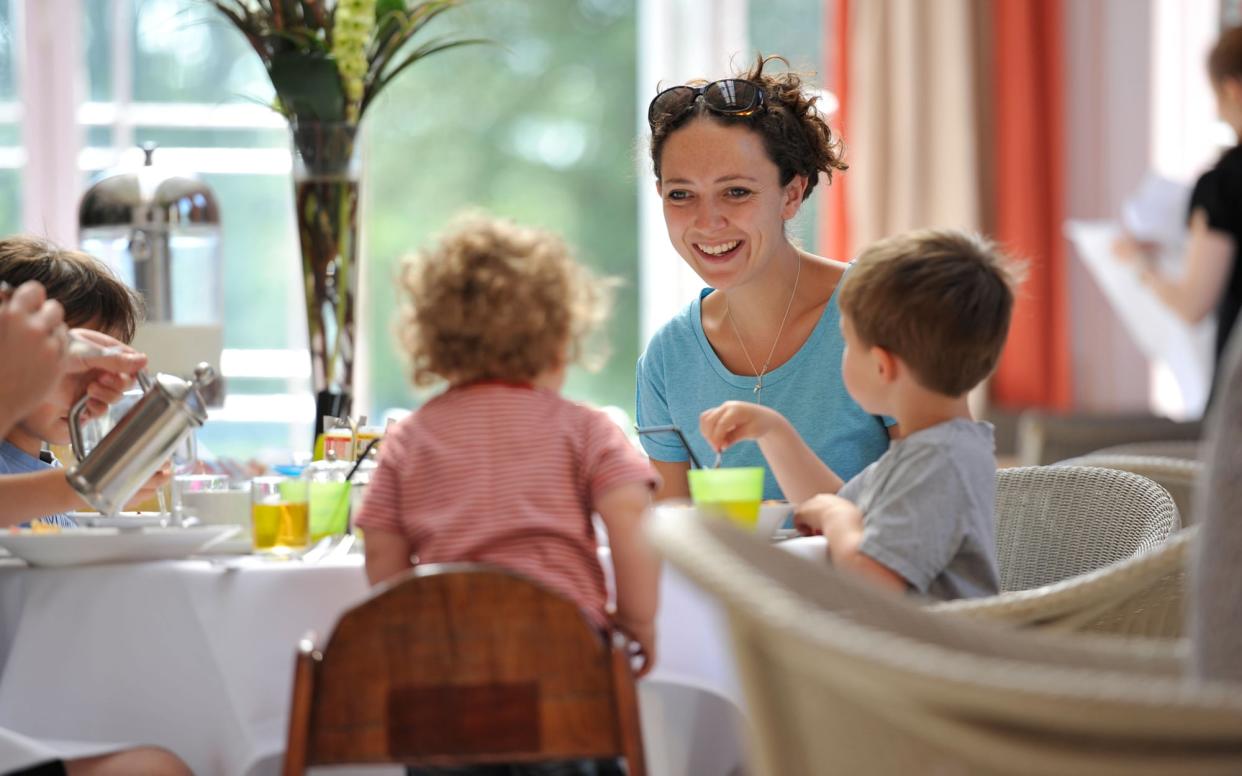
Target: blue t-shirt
{"x": 680, "y": 376}
{"x": 13, "y": 460}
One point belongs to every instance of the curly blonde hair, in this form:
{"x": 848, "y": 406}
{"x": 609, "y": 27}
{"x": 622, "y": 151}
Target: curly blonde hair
{"x": 492, "y": 300}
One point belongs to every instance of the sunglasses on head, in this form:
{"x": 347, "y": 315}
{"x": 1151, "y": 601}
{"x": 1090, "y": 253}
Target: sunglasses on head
{"x": 727, "y": 97}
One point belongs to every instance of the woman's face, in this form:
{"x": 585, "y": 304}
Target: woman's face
{"x": 724, "y": 204}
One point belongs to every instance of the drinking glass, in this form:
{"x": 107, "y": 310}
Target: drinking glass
{"x": 734, "y": 493}
{"x": 279, "y": 515}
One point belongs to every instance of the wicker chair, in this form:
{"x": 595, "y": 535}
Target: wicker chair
{"x": 844, "y": 678}
{"x": 1176, "y": 475}
{"x": 1141, "y": 596}
{"x": 1044, "y": 437}
{"x": 1188, "y": 449}
{"x": 1056, "y": 522}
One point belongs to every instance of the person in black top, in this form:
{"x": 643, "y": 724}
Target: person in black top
{"x": 1211, "y": 278}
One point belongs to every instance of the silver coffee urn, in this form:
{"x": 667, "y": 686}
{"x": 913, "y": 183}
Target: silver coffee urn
{"x": 160, "y": 232}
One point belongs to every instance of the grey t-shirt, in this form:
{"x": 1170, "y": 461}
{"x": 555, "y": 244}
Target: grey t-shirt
{"x": 928, "y": 510}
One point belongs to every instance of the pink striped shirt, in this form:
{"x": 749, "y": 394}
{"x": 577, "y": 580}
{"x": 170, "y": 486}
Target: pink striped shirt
{"x": 508, "y": 475}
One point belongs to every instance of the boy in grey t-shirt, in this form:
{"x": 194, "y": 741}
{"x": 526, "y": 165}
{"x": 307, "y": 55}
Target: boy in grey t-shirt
{"x": 924, "y": 317}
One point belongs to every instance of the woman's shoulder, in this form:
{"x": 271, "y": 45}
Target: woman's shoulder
{"x": 825, "y": 275}
{"x": 678, "y": 333}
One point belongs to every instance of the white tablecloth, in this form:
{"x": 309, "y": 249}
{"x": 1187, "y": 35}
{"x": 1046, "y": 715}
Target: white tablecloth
{"x": 197, "y": 656}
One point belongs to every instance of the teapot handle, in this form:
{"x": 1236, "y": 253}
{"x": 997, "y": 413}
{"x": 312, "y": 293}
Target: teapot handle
{"x": 75, "y": 426}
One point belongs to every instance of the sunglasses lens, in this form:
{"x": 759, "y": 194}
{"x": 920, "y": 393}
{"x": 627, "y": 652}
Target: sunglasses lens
{"x": 732, "y": 95}
{"x": 670, "y": 102}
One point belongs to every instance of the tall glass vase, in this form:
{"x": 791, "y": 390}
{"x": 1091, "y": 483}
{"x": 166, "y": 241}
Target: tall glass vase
{"x": 325, "y": 195}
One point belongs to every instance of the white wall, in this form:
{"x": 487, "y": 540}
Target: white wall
{"x": 1108, "y": 69}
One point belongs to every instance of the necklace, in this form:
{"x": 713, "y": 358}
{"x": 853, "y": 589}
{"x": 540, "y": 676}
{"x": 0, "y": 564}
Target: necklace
{"x": 759, "y": 373}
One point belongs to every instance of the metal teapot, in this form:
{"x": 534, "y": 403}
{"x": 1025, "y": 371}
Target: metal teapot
{"x": 140, "y": 442}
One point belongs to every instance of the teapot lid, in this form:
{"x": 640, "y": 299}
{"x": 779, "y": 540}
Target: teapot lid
{"x": 148, "y": 197}
{"x": 188, "y": 392}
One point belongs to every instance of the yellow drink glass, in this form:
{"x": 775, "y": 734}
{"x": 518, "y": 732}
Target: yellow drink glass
{"x": 734, "y": 493}
{"x": 279, "y": 515}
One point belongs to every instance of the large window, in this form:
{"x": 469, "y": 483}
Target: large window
{"x": 537, "y": 127}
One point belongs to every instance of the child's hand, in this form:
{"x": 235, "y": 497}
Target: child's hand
{"x": 156, "y": 481}
{"x": 734, "y": 421}
{"x": 821, "y": 514}
{"x": 642, "y": 637}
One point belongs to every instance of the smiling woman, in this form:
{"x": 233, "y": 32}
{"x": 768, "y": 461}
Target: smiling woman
{"x": 734, "y": 161}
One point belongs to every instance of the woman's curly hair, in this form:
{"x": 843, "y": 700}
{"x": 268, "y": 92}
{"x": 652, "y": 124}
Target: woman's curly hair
{"x": 797, "y": 138}
{"x": 492, "y": 300}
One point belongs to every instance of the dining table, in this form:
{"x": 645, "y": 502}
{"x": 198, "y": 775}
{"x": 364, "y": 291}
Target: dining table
{"x": 196, "y": 655}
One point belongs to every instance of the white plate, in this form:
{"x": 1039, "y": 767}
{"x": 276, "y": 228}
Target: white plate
{"x": 79, "y": 546}
{"x": 237, "y": 544}
{"x": 121, "y": 520}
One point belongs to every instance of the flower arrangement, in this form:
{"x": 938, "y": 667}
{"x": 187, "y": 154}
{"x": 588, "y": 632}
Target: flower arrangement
{"x": 328, "y": 60}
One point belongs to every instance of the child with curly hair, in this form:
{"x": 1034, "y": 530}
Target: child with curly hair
{"x": 499, "y": 468}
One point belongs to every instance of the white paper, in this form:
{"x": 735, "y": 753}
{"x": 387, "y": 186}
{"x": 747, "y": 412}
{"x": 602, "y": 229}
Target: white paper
{"x": 1163, "y": 337}
{"x": 1157, "y": 211}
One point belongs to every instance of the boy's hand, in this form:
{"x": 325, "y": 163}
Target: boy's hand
{"x": 823, "y": 513}
{"x": 734, "y": 421}
{"x": 642, "y": 638}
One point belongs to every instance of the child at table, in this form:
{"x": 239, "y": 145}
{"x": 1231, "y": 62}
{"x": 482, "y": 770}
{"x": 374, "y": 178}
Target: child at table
{"x": 93, "y": 299}
{"x": 499, "y": 468}
{"x": 924, "y": 317}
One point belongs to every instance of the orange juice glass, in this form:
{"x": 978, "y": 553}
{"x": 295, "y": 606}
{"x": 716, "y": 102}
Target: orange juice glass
{"x": 279, "y": 515}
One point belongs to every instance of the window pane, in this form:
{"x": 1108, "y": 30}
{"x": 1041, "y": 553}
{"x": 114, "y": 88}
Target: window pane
{"x": 187, "y": 51}
{"x": 10, "y": 134}
{"x": 8, "y": 71}
{"x": 97, "y": 33}
{"x": 772, "y": 32}
{"x": 539, "y": 128}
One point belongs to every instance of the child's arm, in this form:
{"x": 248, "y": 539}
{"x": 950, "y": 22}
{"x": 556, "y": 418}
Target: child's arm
{"x": 841, "y": 523}
{"x": 388, "y": 554}
{"x": 34, "y": 495}
{"x": 39, "y": 494}
{"x": 798, "y": 470}
{"x": 634, "y": 562}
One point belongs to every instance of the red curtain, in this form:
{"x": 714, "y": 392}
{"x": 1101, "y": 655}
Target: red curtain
{"x": 834, "y": 216}
{"x": 1029, "y": 113}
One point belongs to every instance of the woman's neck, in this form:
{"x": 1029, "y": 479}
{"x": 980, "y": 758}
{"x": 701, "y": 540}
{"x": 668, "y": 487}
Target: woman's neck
{"x": 761, "y": 303}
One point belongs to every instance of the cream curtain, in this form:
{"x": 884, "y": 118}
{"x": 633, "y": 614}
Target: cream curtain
{"x": 917, "y": 135}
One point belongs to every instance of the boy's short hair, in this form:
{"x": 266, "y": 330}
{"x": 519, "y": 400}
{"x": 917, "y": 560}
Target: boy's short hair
{"x": 84, "y": 286}
{"x": 941, "y": 300}
{"x": 494, "y": 300}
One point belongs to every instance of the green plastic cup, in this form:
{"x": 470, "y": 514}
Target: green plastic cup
{"x": 329, "y": 509}
{"x": 734, "y": 493}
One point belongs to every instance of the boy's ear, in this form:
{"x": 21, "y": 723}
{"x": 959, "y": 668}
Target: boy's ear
{"x": 886, "y": 363}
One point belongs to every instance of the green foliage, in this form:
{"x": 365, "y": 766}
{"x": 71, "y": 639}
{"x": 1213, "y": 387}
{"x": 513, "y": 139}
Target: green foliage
{"x": 296, "y": 40}
{"x": 308, "y": 85}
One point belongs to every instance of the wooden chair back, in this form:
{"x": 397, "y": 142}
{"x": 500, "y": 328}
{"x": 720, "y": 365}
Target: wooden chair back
{"x": 463, "y": 664}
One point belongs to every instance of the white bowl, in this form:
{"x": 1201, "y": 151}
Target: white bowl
{"x": 772, "y": 515}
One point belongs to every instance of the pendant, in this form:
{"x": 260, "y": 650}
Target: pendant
{"x": 757, "y": 390}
